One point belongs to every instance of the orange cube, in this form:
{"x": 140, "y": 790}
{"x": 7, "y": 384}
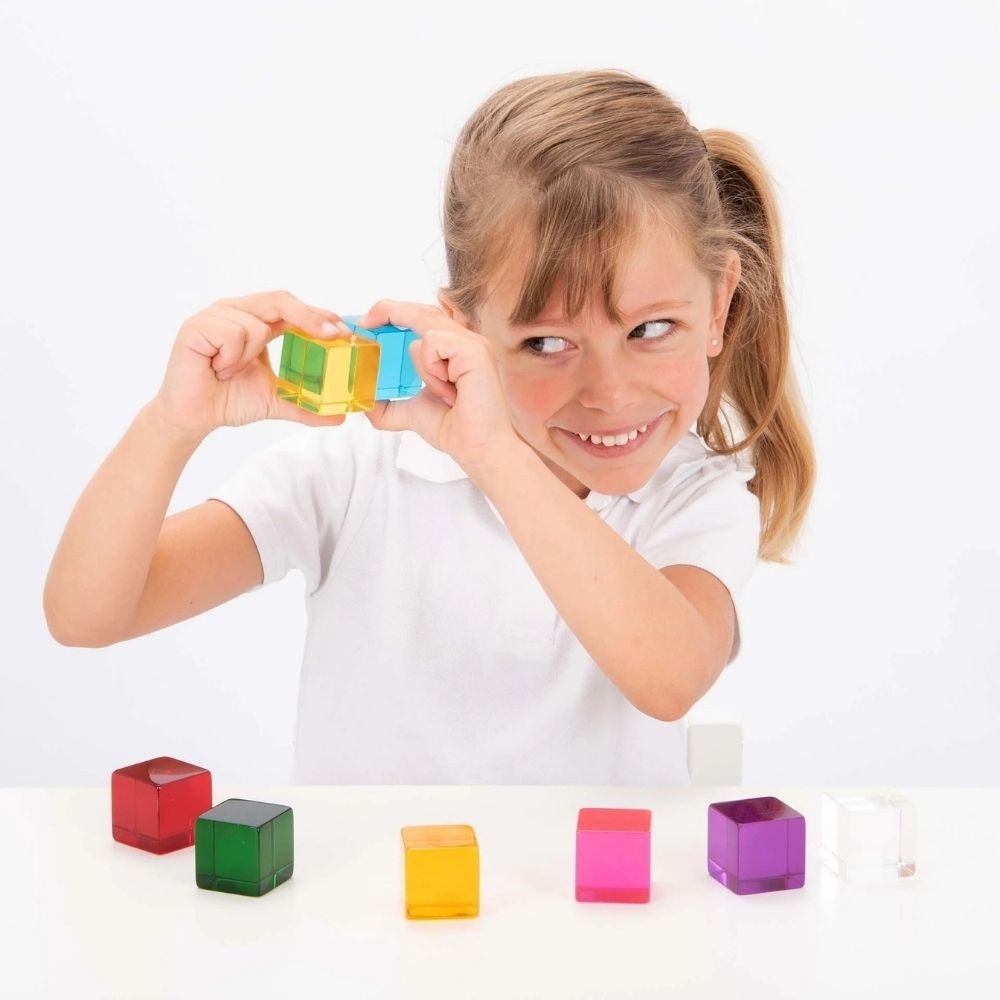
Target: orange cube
{"x": 441, "y": 871}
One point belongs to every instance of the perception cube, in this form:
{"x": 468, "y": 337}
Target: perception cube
{"x": 397, "y": 376}
{"x": 441, "y": 871}
{"x": 714, "y": 752}
{"x": 612, "y": 855}
{"x": 154, "y": 803}
{"x": 327, "y": 376}
{"x": 868, "y": 837}
{"x": 756, "y": 845}
{"x": 244, "y": 846}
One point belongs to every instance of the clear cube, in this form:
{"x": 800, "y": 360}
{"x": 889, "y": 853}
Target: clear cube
{"x": 868, "y": 836}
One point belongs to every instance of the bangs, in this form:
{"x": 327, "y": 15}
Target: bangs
{"x": 574, "y": 233}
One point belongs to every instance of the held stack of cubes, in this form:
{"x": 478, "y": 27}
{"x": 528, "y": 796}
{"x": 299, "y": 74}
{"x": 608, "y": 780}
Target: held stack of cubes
{"x": 348, "y": 373}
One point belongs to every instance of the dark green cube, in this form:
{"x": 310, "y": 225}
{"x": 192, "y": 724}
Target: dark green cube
{"x": 243, "y": 846}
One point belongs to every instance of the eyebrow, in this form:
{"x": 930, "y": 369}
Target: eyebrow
{"x": 665, "y": 304}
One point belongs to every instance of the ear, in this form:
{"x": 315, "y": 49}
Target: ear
{"x": 723, "y": 298}
{"x": 453, "y": 312}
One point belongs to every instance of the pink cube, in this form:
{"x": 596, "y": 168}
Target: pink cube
{"x": 612, "y": 855}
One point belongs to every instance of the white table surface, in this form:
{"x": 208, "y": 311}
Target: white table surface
{"x": 82, "y": 915}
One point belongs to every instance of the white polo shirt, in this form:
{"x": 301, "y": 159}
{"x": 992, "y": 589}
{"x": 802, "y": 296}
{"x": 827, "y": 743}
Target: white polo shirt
{"x": 432, "y": 654}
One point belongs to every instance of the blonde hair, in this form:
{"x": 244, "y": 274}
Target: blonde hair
{"x": 562, "y": 170}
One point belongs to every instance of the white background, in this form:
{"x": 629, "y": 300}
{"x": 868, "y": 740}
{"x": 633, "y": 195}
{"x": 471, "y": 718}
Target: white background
{"x": 158, "y": 158}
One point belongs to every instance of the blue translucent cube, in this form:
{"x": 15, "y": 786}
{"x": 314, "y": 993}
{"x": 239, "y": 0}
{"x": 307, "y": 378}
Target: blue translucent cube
{"x": 397, "y": 377}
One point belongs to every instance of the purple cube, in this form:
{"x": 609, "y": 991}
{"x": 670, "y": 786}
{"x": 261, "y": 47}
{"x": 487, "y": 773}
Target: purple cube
{"x": 756, "y": 845}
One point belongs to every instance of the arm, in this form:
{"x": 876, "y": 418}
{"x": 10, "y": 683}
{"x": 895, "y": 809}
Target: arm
{"x": 120, "y": 570}
{"x": 662, "y": 648}
{"x": 101, "y": 563}
{"x": 661, "y": 637}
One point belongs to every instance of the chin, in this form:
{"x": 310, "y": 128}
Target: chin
{"x": 619, "y": 482}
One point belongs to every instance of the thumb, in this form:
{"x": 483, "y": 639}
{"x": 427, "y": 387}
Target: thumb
{"x": 389, "y": 415}
{"x": 420, "y": 413}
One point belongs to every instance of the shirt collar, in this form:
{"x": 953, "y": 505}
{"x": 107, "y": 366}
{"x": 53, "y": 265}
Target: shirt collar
{"x": 415, "y": 455}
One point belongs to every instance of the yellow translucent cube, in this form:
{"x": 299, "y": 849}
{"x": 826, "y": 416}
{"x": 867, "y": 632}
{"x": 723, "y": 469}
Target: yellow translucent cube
{"x": 328, "y": 375}
{"x": 441, "y": 871}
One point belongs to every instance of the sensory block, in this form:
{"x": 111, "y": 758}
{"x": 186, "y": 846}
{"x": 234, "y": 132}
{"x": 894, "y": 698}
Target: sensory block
{"x": 868, "y": 837}
{"x": 612, "y": 855}
{"x": 441, "y": 871}
{"x": 756, "y": 845}
{"x": 244, "y": 846}
{"x": 714, "y": 752}
{"x": 154, "y": 803}
{"x": 397, "y": 376}
{"x": 327, "y": 376}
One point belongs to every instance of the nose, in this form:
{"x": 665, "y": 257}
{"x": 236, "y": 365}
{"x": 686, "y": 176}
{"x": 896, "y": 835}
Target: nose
{"x": 605, "y": 383}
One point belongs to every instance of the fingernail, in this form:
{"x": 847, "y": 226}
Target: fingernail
{"x": 328, "y": 327}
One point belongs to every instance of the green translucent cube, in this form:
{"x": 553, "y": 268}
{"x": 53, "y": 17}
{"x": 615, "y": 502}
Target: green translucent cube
{"x": 243, "y": 846}
{"x": 330, "y": 375}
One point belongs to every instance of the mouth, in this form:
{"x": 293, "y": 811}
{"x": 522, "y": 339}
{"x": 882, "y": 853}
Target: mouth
{"x": 619, "y": 445}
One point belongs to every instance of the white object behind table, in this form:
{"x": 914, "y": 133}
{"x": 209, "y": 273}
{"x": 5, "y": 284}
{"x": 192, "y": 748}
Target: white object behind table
{"x": 714, "y": 749}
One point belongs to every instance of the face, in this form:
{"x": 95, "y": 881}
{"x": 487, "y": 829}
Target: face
{"x": 637, "y": 387}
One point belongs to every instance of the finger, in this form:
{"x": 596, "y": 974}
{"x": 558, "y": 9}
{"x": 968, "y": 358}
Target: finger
{"x": 280, "y": 309}
{"x": 260, "y": 333}
{"x": 435, "y": 380}
{"x": 246, "y": 336}
{"x": 388, "y": 415}
{"x": 445, "y": 391}
{"x": 218, "y": 337}
{"x": 418, "y": 316}
{"x": 449, "y": 354}
{"x": 417, "y": 413}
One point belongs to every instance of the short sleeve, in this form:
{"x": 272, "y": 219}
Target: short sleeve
{"x": 711, "y": 519}
{"x": 292, "y": 496}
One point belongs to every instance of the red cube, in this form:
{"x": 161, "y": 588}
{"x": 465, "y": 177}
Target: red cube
{"x": 154, "y": 804}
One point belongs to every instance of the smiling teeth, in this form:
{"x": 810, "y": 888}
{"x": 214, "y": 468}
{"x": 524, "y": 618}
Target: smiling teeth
{"x": 613, "y": 440}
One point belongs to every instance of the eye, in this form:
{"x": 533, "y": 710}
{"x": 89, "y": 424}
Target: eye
{"x": 531, "y": 342}
{"x": 538, "y": 345}
{"x": 656, "y": 322}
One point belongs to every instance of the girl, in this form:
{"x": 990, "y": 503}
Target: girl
{"x": 527, "y": 572}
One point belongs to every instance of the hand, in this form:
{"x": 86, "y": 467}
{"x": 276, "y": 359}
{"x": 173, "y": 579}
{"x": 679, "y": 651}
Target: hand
{"x": 461, "y": 410}
{"x": 219, "y": 373}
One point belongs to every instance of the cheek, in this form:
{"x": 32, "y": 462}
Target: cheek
{"x": 681, "y": 377}
{"x": 531, "y": 397}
